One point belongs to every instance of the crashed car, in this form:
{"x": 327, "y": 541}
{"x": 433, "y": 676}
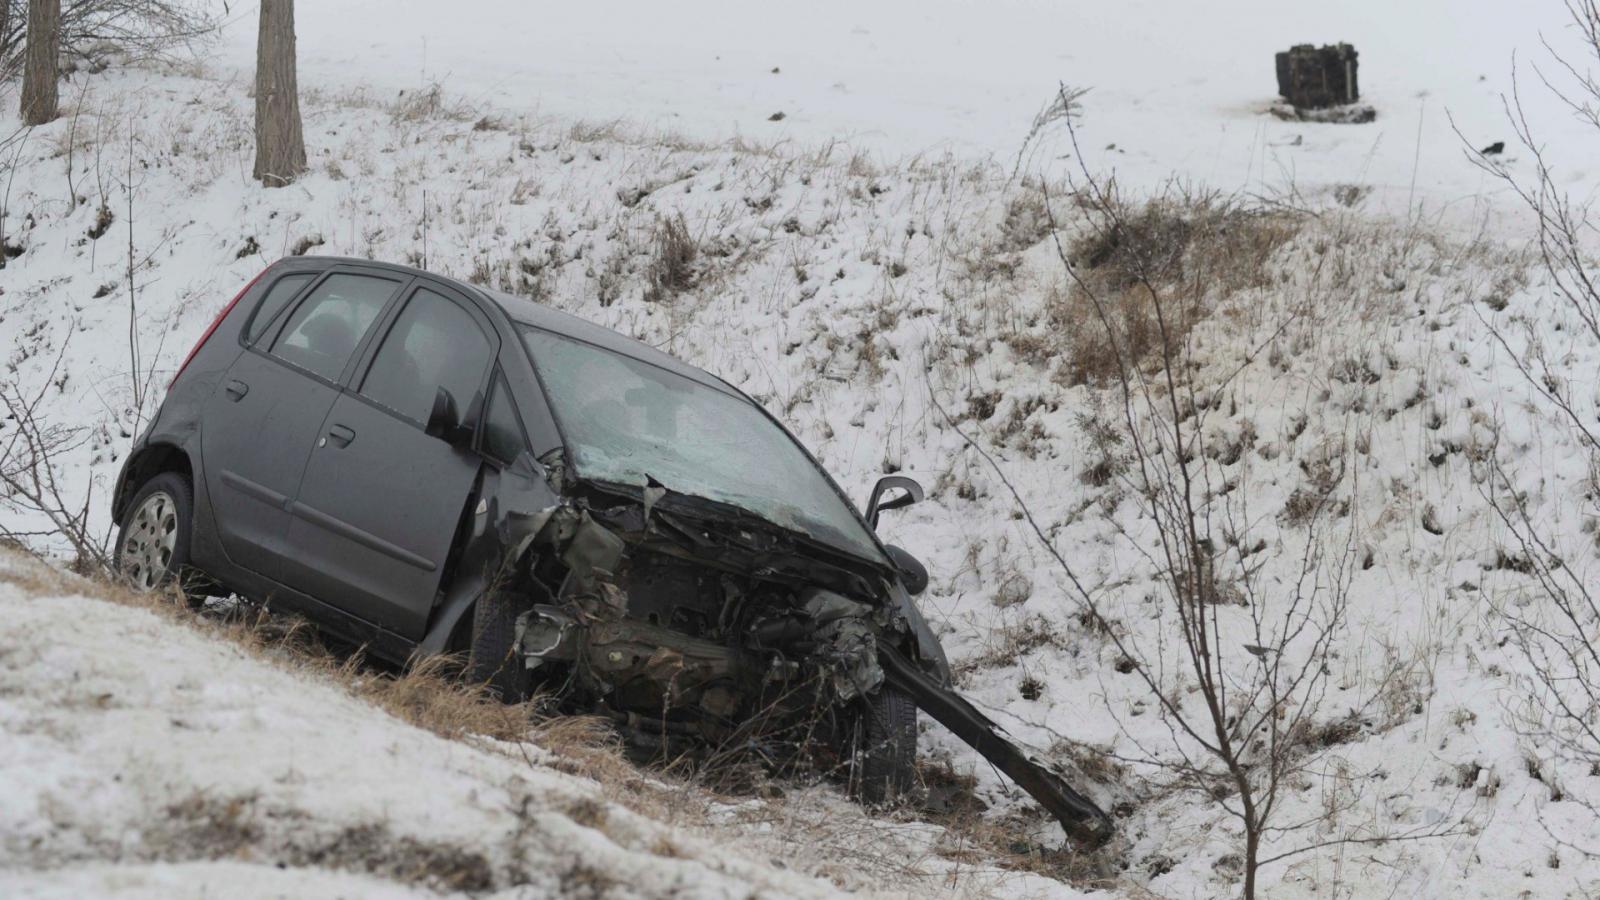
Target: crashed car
{"x": 424, "y": 466}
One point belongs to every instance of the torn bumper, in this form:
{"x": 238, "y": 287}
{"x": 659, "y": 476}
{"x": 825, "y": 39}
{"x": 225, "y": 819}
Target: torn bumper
{"x": 1082, "y": 820}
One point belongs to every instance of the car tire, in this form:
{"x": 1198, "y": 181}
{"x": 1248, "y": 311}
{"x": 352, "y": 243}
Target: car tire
{"x": 152, "y": 549}
{"x": 494, "y": 661}
{"x": 886, "y": 750}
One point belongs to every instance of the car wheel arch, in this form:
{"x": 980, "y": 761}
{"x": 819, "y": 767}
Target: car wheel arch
{"x": 148, "y": 462}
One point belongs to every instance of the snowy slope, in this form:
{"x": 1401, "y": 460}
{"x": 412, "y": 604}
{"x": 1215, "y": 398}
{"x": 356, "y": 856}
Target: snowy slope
{"x": 845, "y": 295}
{"x": 267, "y": 767}
{"x": 146, "y": 758}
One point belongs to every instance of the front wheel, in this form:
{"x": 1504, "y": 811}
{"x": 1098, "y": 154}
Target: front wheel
{"x": 886, "y": 746}
{"x": 153, "y": 540}
{"x": 495, "y": 661}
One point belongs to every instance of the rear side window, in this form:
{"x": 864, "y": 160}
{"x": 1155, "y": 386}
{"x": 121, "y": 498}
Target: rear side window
{"x": 283, "y": 290}
{"x": 434, "y": 344}
{"x": 326, "y": 327}
{"x": 503, "y": 437}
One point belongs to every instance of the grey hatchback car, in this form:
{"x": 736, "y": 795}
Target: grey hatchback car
{"x": 424, "y": 466}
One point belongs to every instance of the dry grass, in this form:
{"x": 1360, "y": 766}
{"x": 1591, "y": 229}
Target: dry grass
{"x": 205, "y": 827}
{"x": 974, "y": 837}
{"x": 1156, "y": 271}
{"x": 673, "y": 252}
{"x": 428, "y": 694}
{"x": 431, "y": 104}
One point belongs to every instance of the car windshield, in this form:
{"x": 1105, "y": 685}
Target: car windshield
{"x": 626, "y": 421}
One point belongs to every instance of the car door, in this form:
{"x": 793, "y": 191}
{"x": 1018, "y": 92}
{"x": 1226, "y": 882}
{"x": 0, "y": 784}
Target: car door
{"x": 378, "y": 507}
{"x": 259, "y": 427}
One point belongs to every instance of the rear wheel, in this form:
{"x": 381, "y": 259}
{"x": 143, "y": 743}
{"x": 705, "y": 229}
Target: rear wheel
{"x": 494, "y": 660}
{"x": 152, "y": 549}
{"x": 886, "y": 746}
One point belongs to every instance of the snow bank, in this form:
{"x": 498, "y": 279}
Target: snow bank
{"x": 146, "y": 758}
{"x": 132, "y": 740}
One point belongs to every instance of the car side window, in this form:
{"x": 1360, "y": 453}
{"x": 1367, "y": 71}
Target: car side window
{"x": 282, "y": 291}
{"x": 435, "y": 343}
{"x": 503, "y": 437}
{"x": 326, "y": 327}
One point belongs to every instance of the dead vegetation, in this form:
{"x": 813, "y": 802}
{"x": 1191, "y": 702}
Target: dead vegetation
{"x": 204, "y": 827}
{"x": 429, "y": 694}
{"x": 671, "y": 269}
{"x": 1159, "y": 268}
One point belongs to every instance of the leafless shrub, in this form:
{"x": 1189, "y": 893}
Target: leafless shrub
{"x": 1554, "y": 617}
{"x": 1108, "y": 458}
{"x": 1244, "y": 714}
{"x": 428, "y": 104}
{"x": 31, "y": 482}
{"x": 92, "y": 29}
{"x": 1179, "y": 252}
{"x": 671, "y": 268}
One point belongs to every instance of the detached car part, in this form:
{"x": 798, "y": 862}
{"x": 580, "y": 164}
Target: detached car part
{"x": 1082, "y": 820}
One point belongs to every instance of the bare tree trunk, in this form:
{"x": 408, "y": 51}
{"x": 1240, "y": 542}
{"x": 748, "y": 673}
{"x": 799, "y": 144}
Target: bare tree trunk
{"x": 280, "y": 146}
{"x": 39, "y": 68}
{"x": 5, "y": 35}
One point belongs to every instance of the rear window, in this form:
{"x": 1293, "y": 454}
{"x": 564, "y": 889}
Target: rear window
{"x": 281, "y": 292}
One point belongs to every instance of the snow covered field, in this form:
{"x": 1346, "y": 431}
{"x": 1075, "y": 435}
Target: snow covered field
{"x": 876, "y": 305}
{"x": 1178, "y": 88}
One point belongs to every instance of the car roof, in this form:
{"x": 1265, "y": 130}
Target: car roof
{"x": 526, "y": 312}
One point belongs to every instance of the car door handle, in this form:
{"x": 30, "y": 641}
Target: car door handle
{"x": 341, "y": 436}
{"x": 236, "y": 389}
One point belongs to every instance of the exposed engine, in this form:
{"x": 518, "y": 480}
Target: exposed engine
{"x": 676, "y": 642}
{"x": 727, "y": 648}
{"x": 719, "y": 631}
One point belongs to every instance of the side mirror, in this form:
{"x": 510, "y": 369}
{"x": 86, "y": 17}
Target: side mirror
{"x": 913, "y": 574}
{"x": 877, "y": 504}
{"x": 444, "y": 422}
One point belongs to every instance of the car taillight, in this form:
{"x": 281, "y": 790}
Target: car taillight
{"x": 213, "y": 327}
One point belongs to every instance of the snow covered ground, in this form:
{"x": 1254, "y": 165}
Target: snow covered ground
{"x": 848, "y": 291}
{"x": 147, "y": 758}
{"x": 1178, "y": 88}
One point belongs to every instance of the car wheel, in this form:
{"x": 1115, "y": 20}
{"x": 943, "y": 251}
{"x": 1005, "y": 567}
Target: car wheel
{"x": 153, "y": 538}
{"x": 494, "y": 661}
{"x": 886, "y": 746}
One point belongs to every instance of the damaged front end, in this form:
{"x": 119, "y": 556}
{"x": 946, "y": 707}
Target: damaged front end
{"x": 692, "y": 622}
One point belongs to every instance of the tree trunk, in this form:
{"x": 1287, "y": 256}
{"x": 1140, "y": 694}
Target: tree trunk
{"x": 280, "y": 146}
{"x": 39, "y": 66}
{"x": 5, "y": 36}
{"x": 1252, "y": 855}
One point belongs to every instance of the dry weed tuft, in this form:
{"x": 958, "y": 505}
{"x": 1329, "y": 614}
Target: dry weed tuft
{"x": 672, "y": 256}
{"x": 1193, "y": 249}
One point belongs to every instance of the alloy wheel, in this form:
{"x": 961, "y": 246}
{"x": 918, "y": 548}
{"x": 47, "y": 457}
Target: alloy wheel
{"x": 148, "y": 546}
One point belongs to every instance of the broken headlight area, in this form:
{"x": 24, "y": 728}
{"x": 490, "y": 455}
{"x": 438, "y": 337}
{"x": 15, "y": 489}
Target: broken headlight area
{"x": 698, "y": 633}
{"x": 704, "y": 652}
